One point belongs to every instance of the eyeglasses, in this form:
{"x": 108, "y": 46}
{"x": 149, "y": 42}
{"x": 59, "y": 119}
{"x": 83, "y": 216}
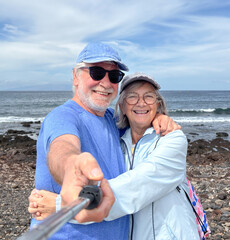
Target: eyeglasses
{"x": 133, "y": 98}
{"x": 98, "y": 73}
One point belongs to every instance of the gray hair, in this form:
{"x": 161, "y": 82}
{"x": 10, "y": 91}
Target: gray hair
{"x": 123, "y": 121}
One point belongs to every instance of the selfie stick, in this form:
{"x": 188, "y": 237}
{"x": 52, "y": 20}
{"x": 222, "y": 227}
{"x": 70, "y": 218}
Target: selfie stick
{"x": 89, "y": 198}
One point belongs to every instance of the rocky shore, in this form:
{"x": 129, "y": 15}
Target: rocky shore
{"x": 208, "y": 168}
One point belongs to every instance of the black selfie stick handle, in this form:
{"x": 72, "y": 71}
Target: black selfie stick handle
{"x": 92, "y": 192}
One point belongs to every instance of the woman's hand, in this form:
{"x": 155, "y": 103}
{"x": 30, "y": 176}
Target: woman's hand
{"x": 163, "y": 124}
{"x": 42, "y": 204}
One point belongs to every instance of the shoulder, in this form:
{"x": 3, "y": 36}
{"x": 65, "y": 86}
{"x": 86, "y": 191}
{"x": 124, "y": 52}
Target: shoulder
{"x": 67, "y": 110}
{"x": 64, "y": 119}
{"x": 110, "y": 117}
{"x": 69, "y": 106}
{"x": 109, "y": 112}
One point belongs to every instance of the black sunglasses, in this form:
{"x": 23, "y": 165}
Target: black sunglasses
{"x": 98, "y": 73}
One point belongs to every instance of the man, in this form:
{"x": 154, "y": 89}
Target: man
{"x": 80, "y": 142}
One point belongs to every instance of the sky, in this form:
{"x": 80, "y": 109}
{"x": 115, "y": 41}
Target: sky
{"x": 183, "y": 44}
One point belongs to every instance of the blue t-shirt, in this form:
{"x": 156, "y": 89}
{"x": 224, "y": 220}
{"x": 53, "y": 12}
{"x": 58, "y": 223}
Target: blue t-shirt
{"x": 98, "y": 136}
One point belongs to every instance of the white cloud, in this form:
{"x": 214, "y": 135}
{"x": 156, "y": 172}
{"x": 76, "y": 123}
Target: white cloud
{"x": 10, "y": 28}
{"x": 168, "y": 38}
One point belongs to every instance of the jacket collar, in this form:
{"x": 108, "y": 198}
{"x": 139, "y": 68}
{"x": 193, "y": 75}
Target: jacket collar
{"x": 128, "y": 138}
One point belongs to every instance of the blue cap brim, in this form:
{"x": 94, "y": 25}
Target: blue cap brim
{"x": 121, "y": 66}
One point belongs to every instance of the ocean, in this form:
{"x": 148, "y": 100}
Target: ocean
{"x": 200, "y": 113}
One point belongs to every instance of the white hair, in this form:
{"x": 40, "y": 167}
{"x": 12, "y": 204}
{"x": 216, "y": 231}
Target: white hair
{"x": 77, "y": 73}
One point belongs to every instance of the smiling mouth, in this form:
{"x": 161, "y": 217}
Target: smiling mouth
{"x": 141, "y": 111}
{"x": 102, "y": 93}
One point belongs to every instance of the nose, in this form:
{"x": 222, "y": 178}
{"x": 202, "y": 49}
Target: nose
{"x": 105, "y": 82}
{"x": 141, "y": 101}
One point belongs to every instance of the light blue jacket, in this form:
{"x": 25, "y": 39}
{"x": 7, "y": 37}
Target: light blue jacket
{"x": 158, "y": 166}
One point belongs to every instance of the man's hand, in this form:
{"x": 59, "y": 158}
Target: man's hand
{"x": 81, "y": 170}
{"x": 102, "y": 211}
{"x": 164, "y": 124}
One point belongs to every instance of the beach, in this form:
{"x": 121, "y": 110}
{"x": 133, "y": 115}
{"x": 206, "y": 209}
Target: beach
{"x": 208, "y": 168}
{"x": 203, "y": 115}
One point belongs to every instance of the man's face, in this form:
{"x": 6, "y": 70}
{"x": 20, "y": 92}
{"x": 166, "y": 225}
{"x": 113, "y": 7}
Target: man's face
{"x": 95, "y": 96}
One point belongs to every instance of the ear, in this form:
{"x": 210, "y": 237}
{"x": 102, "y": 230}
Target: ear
{"x": 158, "y": 104}
{"x": 75, "y": 79}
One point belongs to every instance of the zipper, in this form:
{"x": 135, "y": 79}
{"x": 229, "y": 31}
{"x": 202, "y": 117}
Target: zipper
{"x": 178, "y": 189}
{"x": 127, "y": 150}
{"x": 133, "y": 154}
{"x": 131, "y": 162}
{"x": 154, "y": 237}
{"x": 130, "y": 167}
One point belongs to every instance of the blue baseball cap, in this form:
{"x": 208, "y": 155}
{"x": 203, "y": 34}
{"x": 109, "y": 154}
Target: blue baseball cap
{"x": 100, "y": 52}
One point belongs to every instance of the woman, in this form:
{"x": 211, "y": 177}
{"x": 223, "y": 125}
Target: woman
{"x": 152, "y": 189}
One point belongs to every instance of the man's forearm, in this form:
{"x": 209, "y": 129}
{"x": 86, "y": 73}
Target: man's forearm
{"x": 61, "y": 156}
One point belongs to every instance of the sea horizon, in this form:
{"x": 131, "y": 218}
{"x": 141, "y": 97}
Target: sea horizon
{"x": 201, "y": 113}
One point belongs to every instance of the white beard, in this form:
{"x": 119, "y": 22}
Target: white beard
{"x": 87, "y": 101}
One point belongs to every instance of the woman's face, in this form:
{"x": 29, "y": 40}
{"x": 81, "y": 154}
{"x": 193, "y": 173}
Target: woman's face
{"x": 140, "y": 113}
